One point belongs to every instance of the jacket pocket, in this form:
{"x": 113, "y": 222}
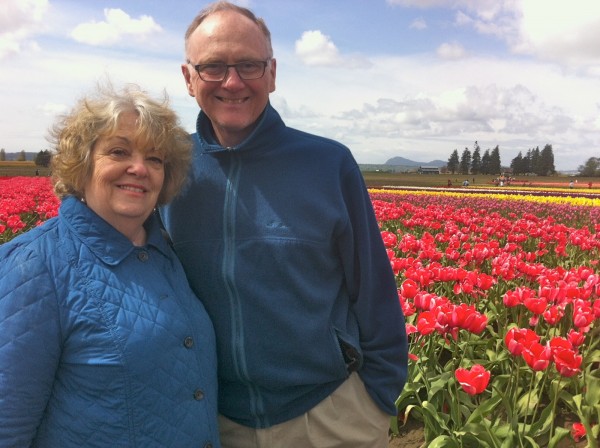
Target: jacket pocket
{"x": 351, "y": 354}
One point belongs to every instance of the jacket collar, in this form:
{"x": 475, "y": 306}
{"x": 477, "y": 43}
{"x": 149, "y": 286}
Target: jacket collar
{"x": 263, "y": 135}
{"x": 107, "y": 243}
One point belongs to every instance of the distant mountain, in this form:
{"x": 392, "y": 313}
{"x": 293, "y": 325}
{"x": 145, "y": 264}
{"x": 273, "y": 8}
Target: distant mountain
{"x": 406, "y": 162}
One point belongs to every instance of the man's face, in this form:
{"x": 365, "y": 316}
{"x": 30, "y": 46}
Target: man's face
{"x": 233, "y": 105}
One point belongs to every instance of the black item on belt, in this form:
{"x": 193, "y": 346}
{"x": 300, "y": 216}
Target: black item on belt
{"x": 351, "y": 356}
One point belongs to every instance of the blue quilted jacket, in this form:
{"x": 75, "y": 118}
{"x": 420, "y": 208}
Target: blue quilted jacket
{"x": 101, "y": 343}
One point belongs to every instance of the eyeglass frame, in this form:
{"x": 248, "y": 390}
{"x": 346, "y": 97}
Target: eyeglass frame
{"x": 197, "y": 67}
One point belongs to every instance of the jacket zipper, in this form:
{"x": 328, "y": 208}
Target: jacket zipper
{"x": 228, "y": 273}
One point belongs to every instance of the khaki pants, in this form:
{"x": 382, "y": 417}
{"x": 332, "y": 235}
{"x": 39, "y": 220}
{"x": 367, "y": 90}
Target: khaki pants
{"x": 348, "y": 418}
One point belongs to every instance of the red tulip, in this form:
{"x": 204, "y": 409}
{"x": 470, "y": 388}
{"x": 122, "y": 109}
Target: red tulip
{"x": 408, "y": 307}
{"x": 537, "y": 305}
{"x": 537, "y": 356}
{"x": 567, "y": 362}
{"x": 517, "y": 296}
{"x": 409, "y": 289}
{"x": 427, "y": 301}
{"x": 559, "y": 343}
{"x": 578, "y": 431}
{"x": 583, "y": 314}
{"x": 576, "y": 338}
{"x": 468, "y": 318}
{"x": 389, "y": 239}
{"x": 511, "y": 299}
{"x": 596, "y": 308}
{"x": 473, "y": 381}
{"x": 517, "y": 339}
{"x": 479, "y": 324}
{"x": 426, "y": 323}
{"x": 410, "y": 329}
{"x": 553, "y": 314}
{"x": 566, "y": 358}
{"x": 462, "y": 315}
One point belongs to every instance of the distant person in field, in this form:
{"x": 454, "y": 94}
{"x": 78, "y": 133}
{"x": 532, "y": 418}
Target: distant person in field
{"x": 278, "y": 238}
{"x": 102, "y": 341}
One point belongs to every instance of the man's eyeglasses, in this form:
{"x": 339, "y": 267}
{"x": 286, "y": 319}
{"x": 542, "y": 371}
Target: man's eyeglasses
{"x": 217, "y": 71}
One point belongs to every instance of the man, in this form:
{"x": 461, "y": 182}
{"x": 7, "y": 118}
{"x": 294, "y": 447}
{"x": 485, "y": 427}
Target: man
{"x": 279, "y": 240}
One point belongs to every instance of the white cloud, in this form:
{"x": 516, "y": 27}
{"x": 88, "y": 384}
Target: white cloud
{"x": 8, "y": 45}
{"x": 52, "y": 109}
{"x": 444, "y": 104}
{"x": 115, "y": 28}
{"x": 561, "y": 31}
{"x": 486, "y": 9}
{"x": 418, "y": 105}
{"x": 16, "y": 15}
{"x": 452, "y": 51}
{"x": 316, "y": 48}
{"x": 19, "y": 20}
{"x": 418, "y": 24}
{"x": 418, "y": 3}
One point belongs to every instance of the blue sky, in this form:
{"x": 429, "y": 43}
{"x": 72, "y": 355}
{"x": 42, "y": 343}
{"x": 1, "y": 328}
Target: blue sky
{"x": 409, "y": 78}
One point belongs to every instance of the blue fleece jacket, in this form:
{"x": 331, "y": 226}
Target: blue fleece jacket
{"x": 102, "y": 343}
{"x": 279, "y": 240}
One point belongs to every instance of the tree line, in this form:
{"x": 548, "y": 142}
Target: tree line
{"x": 533, "y": 162}
{"x": 591, "y": 168}
{"x": 474, "y": 162}
{"x": 42, "y": 158}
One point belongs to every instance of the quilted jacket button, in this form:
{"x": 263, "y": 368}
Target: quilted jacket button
{"x": 143, "y": 256}
{"x": 188, "y": 342}
{"x": 198, "y": 394}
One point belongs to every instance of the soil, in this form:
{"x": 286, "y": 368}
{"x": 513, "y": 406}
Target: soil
{"x": 411, "y": 436}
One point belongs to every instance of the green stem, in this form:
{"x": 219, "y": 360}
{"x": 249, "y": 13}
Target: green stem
{"x": 493, "y": 437}
{"x": 514, "y": 390}
{"x": 540, "y": 395}
{"x": 528, "y": 400}
{"x": 457, "y": 406}
{"x": 554, "y": 401}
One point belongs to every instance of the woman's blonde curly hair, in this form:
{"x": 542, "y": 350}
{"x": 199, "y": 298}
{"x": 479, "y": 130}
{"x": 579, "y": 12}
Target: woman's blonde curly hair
{"x": 75, "y": 134}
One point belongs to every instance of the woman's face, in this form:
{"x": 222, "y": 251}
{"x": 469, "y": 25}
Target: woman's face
{"x": 127, "y": 177}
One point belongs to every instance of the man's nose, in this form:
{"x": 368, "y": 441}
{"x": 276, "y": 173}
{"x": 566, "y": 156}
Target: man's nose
{"x": 232, "y": 78}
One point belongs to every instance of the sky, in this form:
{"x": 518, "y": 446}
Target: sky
{"x": 409, "y": 78}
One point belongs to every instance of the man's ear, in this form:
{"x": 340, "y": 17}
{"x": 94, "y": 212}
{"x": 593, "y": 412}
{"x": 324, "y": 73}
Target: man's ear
{"x": 187, "y": 75}
{"x": 273, "y": 71}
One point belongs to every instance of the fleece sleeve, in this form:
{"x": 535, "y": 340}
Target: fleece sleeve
{"x": 29, "y": 345}
{"x": 374, "y": 293}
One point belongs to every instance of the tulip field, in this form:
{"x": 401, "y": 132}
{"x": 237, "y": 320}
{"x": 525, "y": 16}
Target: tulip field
{"x": 25, "y": 202}
{"x": 501, "y": 297}
{"x": 501, "y": 293}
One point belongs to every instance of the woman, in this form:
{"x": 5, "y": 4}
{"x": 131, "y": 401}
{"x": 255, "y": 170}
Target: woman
{"x": 102, "y": 342}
